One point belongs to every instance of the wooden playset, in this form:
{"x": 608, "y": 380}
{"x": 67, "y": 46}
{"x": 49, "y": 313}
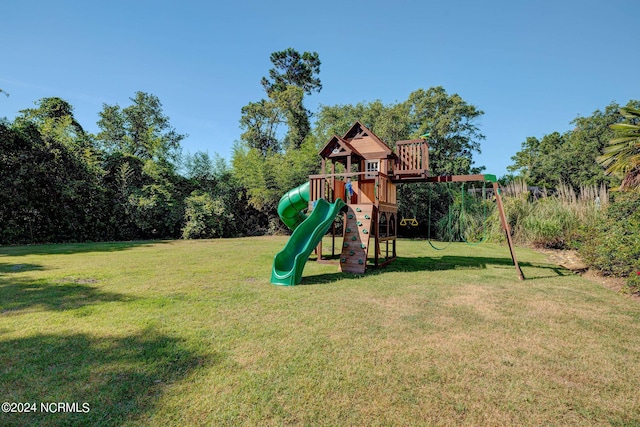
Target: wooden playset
{"x": 361, "y": 170}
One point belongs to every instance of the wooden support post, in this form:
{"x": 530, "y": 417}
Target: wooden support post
{"x": 333, "y": 239}
{"x": 333, "y": 182}
{"x": 376, "y": 228}
{"x": 395, "y": 235}
{"x": 507, "y": 229}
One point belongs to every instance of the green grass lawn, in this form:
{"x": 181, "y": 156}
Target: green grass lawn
{"x": 191, "y": 333}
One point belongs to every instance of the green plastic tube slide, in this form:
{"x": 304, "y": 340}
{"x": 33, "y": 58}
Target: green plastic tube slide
{"x": 292, "y": 205}
{"x": 289, "y": 263}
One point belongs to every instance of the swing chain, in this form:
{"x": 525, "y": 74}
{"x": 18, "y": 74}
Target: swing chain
{"x": 449, "y": 221}
{"x": 413, "y": 222}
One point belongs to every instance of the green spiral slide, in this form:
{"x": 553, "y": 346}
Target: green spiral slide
{"x": 292, "y": 205}
{"x": 307, "y": 233}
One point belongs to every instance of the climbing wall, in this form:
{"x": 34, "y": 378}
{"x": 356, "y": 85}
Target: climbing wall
{"x": 358, "y": 228}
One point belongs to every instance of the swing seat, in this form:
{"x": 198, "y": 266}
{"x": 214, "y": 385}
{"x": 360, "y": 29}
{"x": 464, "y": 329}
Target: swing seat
{"x": 409, "y": 221}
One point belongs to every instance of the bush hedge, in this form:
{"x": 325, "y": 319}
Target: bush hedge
{"x": 613, "y": 244}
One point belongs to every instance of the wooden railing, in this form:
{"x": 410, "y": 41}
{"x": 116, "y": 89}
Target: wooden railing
{"x": 413, "y": 157}
{"x": 375, "y": 188}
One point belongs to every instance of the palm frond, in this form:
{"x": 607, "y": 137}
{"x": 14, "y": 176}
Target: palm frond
{"x": 621, "y": 157}
{"x": 624, "y": 139}
{"x": 630, "y": 113}
{"x": 625, "y": 126}
{"x": 615, "y": 146}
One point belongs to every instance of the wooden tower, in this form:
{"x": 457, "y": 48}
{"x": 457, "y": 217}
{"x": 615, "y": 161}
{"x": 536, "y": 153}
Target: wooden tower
{"x": 362, "y": 170}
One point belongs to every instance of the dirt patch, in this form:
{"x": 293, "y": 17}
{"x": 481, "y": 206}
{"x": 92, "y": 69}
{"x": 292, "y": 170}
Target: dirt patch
{"x": 566, "y": 259}
{"x": 572, "y": 262}
{"x": 77, "y": 280}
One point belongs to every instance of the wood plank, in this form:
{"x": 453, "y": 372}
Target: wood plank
{"x": 367, "y": 145}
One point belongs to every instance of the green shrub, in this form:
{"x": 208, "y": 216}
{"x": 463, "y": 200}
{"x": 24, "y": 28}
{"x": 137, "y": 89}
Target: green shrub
{"x": 155, "y": 210}
{"x": 205, "y": 217}
{"x": 613, "y": 245}
{"x": 633, "y": 282}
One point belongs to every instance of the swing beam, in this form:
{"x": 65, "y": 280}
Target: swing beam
{"x": 496, "y": 192}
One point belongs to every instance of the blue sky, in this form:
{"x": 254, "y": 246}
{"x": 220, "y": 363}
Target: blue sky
{"x": 531, "y": 66}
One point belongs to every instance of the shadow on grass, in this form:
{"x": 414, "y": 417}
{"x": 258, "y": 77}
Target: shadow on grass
{"x": 67, "y": 294}
{"x": 19, "y": 268}
{"x": 120, "y": 378}
{"x": 75, "y": 248}
{"x": 447, "y": 262}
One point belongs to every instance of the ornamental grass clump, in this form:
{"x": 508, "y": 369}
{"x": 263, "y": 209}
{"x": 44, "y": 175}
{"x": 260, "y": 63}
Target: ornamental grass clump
{"x": 549, "y": 218}
{"x": 550, "y": 224}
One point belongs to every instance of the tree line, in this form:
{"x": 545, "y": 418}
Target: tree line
{"x": 599, "y": 150}
{"x": 130, "y": 180}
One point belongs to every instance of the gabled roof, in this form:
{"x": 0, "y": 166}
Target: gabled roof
{"x": 358, "y": 142}
{"x": 360, "y": 131}
{"x": 337, "y": 147}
